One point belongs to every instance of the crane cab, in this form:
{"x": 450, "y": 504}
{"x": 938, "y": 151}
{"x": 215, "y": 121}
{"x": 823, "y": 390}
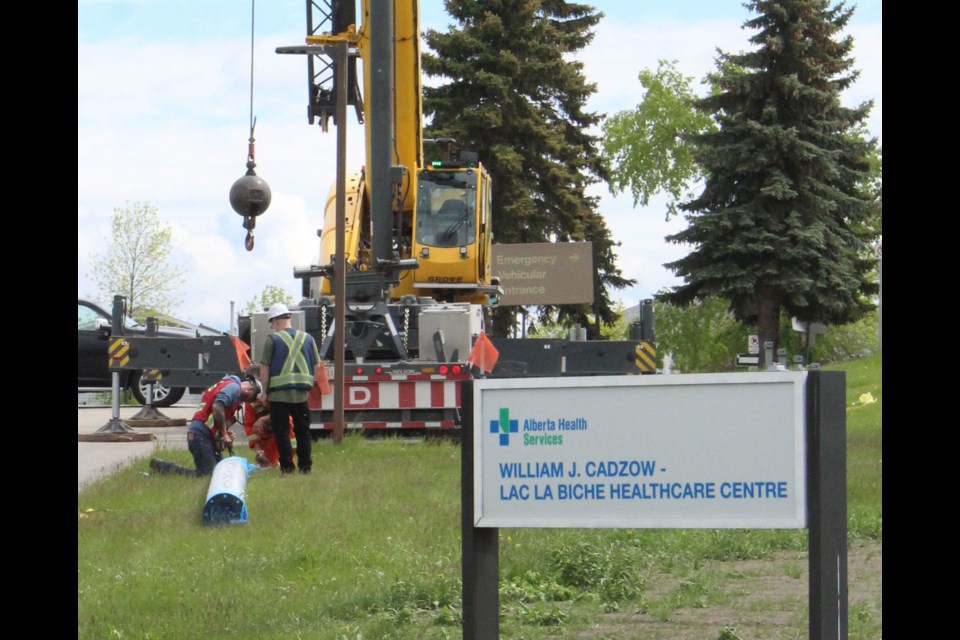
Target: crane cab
{"x": 452, "y": 234}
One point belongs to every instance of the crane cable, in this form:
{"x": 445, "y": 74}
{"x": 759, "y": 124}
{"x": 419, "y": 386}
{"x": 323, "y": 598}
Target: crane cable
{"x": 253, "y": 120}
{"x": 250, "y": 195}
{"x": 251, "y": 144}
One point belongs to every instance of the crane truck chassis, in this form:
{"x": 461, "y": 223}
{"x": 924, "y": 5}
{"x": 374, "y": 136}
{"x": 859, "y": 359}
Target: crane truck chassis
{"x": 418, "y": 245}
{"x": 415, "y": 395}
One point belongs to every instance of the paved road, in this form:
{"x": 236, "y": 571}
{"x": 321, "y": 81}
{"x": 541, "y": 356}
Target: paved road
{"x": 97, "y": 459}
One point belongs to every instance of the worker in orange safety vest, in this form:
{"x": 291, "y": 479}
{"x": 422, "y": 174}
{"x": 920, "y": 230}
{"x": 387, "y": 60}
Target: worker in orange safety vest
{"x": 261, "y": 435}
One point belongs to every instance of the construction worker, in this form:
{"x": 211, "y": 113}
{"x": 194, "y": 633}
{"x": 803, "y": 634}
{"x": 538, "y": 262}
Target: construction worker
{"x": 208, "y": 432}
{"x": 261, "y": 436}
{"x": 288, "y": 370}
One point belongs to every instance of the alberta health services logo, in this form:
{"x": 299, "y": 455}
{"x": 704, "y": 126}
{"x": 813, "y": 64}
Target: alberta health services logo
{"x": 504, "y": 426}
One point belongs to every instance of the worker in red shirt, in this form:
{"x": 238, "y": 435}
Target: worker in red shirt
{"x": 209, "y": 431}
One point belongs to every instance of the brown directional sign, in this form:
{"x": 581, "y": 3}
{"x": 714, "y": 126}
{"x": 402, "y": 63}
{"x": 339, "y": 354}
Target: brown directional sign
{"x": 544, "y": 273}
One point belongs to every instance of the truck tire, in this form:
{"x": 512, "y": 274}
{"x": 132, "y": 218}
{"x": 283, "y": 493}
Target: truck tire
{"x": 163, "y": 396}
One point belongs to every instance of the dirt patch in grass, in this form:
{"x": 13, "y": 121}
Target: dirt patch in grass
{"x": 747, "y": 600}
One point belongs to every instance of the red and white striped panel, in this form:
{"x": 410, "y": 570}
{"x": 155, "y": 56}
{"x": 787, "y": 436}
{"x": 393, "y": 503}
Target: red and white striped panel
{"x": 393, "y": 394}
{"x": 441, "y": 424}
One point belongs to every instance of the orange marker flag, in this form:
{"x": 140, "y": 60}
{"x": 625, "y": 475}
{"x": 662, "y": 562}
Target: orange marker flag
{"x": 483, "y": 355}
{"x": 322, "y": 382}
{"x": 243, "y": 359}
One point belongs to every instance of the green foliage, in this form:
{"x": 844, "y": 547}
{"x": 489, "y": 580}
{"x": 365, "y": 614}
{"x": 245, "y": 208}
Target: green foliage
{"x": 540, "y": 615}
{"x": 546, "y": 327}
{"x": 729, "y": 633}
{"x": 513, "y": 90}
{"x": 839, "y": 344}
{"x": 864, "y": 622}
{"x": 618, "y": 329}
{"x": 872, "y": 188}
{"x": 747, "y": 544}
{"x": 136, "y": 263}
{"x": 691, "y": 593}
{"x": 605, "y": 569}
{"x": 106, "y": 398}
{"x": 534, "y": 587}
{"x": 783, "y": 221}
{"x": 701, "y": 337}
{"x": 648, "y": 146}
{"x": 704, "y": 337}
{"x": 270, "y": 295}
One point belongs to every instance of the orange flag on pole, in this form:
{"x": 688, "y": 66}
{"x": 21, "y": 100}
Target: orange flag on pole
{"x": 483, "y": 355}
{"x": 243, "y": 359}
{"x": 322, "y": 382}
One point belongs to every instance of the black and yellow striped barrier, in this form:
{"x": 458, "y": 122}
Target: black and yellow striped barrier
{"x": 118, "y": 355}
{"x": 645, "y": 357}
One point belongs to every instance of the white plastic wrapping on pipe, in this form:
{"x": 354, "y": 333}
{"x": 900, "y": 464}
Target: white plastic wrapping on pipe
{"x": 227, "y": 495}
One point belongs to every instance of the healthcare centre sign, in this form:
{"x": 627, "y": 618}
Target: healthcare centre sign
{"x": 677, "y": 451}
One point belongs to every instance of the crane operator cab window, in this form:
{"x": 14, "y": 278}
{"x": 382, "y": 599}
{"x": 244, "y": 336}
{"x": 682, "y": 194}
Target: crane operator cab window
{"x": 446, "y": 209}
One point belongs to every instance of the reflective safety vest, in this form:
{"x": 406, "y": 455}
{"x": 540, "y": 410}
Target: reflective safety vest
{"x": 205, "y": 409}
{"x": 292, "y": 364}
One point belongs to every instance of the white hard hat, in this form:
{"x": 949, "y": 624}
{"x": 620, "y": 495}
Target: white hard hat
{"x": 256, "y": 384}
{"x": 278, "y": 310}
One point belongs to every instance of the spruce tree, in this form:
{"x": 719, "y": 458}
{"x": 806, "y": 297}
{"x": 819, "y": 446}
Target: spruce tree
{"x": 782, "y": 224}
{"x": 513, "y": 93}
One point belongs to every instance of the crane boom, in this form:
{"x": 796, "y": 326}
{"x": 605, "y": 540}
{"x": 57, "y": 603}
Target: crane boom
{"x": 399, "y": 210}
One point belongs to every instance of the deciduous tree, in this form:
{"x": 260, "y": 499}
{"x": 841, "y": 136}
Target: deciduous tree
{"x": 270, "y": 295}
{"x": 648, "y": 147}
{"x": 701, "y": 337}
{"x": 136, "y": 262}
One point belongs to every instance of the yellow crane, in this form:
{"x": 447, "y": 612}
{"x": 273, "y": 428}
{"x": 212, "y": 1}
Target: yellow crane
{"x": 398, "y": 207}
{"x": 418, "y": 252}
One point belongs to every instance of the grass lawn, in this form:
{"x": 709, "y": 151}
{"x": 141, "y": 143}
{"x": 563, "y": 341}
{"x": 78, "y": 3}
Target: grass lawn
{"x": 368, "y": 547}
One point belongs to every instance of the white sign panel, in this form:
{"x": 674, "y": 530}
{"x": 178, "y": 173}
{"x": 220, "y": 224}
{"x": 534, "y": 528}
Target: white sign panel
{"x": 680, "y": 451}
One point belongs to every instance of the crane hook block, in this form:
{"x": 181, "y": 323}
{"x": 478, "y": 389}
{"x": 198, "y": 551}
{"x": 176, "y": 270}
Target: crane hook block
{"x": 250, "y": 195}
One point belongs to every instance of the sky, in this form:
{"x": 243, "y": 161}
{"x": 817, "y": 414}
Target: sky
{"x": 163, "y": 117}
